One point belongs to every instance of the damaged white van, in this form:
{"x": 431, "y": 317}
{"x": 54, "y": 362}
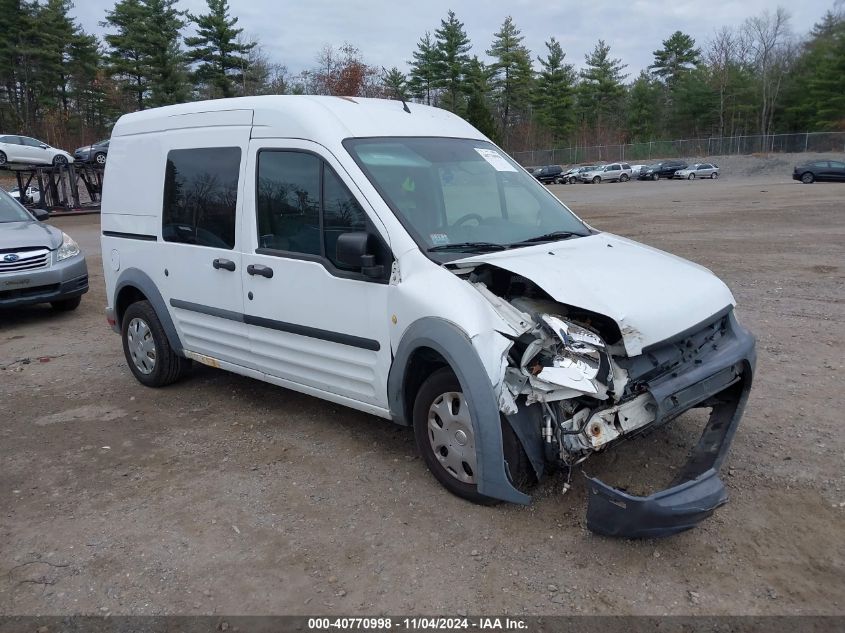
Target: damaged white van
{"x": 390, "y": 258}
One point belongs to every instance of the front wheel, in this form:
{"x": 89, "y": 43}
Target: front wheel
{"x": 100, "y": 158}
{"x": 808, "y": 178}
{"x": 445, "y": 436}
{"x": 596, "y": 180}
{"x": 58, "y": 159}
{"x": 3, "y": 158}
{"x": 691, "y": 177}
{"x": 655, "y": 176}
{"x": 151, "y": 359}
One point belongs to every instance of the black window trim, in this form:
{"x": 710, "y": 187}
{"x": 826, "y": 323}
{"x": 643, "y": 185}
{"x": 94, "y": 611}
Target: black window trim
{"x": 237, "y": 194}
{"x": 321, "y": 258}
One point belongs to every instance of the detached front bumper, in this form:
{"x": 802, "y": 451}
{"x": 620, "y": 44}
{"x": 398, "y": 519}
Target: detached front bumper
{"x": 721, "y": 381}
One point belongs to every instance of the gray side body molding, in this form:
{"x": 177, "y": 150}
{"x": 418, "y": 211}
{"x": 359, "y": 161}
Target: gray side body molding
{"x": 140, "y": 280}
{"x": 453, "y": 344}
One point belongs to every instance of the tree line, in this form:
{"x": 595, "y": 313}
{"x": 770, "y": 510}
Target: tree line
{"x": 64, "y": 85}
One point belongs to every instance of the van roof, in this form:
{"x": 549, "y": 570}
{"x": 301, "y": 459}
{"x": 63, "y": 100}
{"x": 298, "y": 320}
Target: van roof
{"x": 323, "y": 119}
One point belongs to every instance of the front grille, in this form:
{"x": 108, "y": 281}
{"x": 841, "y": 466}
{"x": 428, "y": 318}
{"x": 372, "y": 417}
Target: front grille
{"x": 23, "y": 293}
{"x": 24, "y": 260}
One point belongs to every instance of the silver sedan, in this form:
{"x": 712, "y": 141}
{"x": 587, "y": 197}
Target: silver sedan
{"x": 699, "y": 170}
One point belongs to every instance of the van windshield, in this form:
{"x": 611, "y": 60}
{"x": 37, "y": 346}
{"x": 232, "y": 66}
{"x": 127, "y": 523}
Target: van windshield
{"x": 453, "y": 192}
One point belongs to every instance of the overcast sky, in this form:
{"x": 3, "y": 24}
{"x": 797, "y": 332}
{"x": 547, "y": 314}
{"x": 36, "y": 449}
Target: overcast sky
{"x": 386, "y": 31}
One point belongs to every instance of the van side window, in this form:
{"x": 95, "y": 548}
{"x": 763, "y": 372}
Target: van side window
{"x": 341, "y": 213}
{"x": 294, "y": 190}
{"x": 288, "y": 202}
{"x": 200, "y": 194}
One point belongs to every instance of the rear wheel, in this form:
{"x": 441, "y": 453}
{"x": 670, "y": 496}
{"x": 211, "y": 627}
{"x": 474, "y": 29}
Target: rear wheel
{"x": 66, "y": 305}
{"x": 100, "y": 158}
{"x": 808, "y": 178}
{"x": 714, "y": 175}
{"x": 445, "y": 436}
{"x": 148, "y": 353}
{"x": 624, "y": 178}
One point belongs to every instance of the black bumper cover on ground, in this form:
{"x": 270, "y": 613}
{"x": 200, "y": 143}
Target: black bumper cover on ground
{"x": 721, "y": 381}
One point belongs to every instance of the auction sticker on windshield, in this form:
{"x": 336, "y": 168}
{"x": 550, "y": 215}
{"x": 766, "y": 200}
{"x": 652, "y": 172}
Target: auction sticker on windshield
{"x": 495, "y": 159}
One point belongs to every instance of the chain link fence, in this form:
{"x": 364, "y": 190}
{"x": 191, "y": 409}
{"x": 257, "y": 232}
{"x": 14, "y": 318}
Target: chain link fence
{"x": 687, "y": 148}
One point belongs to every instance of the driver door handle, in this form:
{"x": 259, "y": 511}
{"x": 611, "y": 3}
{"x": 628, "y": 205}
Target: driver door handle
{"x": 225, "y": 264}
{"x": 258, "y": 269}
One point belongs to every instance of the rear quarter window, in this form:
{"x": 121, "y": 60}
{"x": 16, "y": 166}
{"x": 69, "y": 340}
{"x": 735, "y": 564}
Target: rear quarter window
{"x": 200, "y": 195}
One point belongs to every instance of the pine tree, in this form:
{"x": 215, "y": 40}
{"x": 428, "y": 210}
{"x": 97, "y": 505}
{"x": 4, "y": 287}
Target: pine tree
{"x": 423, "y": 70}
{"x": 221, "y": 58}
{"x": 643, "y": 108}
{"x": 451, "y": 60}
{"x": 164, "y": 58}
{"x": 127, "y": 56}
{"x": 478, "y": 111}
{"x": 678, "y": 56}
{"x": 554, "y": 92}
{"x": 600, "y": 91}
{"x": 395, "y": 84}
{"x": 512, "y": 74}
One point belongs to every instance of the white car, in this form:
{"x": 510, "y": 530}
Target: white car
{"x": 636, "y": 170}
{"x": 31, "y": 196}
{"x": 615, "y": 172}
{"x": 699, "y": 170}
{"x": 30, "y": 151}
{"x": 394, "y": 260}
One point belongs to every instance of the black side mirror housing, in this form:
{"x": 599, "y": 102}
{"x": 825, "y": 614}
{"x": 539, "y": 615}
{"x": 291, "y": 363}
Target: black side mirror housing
{"x": 41, "y": 214}
{"x": 353, "y": 250}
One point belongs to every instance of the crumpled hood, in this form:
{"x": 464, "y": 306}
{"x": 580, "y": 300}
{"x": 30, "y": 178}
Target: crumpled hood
{"x": 651, "y": 295}
{"x": 28, "y": 234}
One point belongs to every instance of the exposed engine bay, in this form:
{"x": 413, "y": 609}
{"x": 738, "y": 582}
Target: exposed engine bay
{"x": 572, "y": 363}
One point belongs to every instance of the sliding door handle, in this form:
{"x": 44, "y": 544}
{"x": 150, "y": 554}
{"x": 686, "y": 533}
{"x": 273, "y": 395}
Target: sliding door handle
{"x": 258, "y": 269}
{"x": 225, "y": 264}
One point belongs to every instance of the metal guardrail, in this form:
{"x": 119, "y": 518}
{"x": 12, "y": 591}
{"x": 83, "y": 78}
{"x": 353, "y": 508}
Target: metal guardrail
{"x": 688, "y": 148}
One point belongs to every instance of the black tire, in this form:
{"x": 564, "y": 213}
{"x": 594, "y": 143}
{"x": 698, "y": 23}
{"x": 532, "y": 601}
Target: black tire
{"x": 714, "y": 175}
{"x": 596, "y": 180}
{"x": 808, "y": 178}
{"x": 58, "y": 159}
{"x": 3, "y": 158}
{"x": 691, "y": 177}
{"x": 517, "y": 465}
{"x": 169, "y": 366}
{"x": 100, "y": 158}
{"x": 655, "y": 177}
{"x": 624, "y": 178}
{"x": 66, "y": 305}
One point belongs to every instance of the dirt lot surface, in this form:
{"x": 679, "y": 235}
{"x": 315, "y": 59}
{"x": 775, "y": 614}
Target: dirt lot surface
{"x": 225, "y": 495}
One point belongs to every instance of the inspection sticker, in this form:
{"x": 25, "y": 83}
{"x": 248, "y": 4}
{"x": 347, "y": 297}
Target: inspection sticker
{"x": 495, "y": 159}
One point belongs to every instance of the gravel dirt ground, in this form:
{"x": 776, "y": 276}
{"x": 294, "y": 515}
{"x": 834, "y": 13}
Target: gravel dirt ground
{"x": 224, "y": 495}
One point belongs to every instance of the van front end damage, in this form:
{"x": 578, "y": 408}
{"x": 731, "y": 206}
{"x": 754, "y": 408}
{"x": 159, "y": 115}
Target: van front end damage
{"x": 569, "y": 389}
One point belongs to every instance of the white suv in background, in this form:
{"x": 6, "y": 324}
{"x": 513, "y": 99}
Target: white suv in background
{"x": 30, "y": 151}
{"x": 615, "y": 172}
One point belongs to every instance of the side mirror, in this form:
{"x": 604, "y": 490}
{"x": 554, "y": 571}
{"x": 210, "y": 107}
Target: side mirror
{"x": 43, "y": 146}
{"x": 353, "y": 251}
{"x": 41, "y": 214}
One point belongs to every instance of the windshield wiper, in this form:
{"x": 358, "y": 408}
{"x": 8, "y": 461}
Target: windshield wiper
{"x": 481, "y": 247}
{"x": 548, "y": 237}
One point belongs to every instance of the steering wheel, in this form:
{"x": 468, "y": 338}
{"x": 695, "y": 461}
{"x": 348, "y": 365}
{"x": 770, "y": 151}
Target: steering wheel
{"x": 466, "y": 218}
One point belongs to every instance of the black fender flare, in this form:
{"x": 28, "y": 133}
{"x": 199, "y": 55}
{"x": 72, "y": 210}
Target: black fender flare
{"x": 452, "y": 343}
{"x": 141, "y": 281}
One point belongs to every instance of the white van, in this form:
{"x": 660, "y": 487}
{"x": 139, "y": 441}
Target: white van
{"x": 390, "y": 258}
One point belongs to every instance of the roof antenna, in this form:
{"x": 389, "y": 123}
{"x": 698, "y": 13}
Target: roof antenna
{"x": 398, "y": 96}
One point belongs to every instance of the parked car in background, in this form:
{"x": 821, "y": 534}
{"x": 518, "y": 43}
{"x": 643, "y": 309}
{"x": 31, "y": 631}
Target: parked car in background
{"x": 615, "y": 172}
{"x": 636, "y": 169}
{"x": 574, "y": 175}
{"x": 548, "y": 174}
{"x": 699, "y": 170}
{"x": 821, "y": 170}
{"x": 38, "y": 262}
{"x": 95, "y": 153}
{"x": 32, "y": 195}
{"x": 30, "y": 151}
{"x": 666, "y": 169}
